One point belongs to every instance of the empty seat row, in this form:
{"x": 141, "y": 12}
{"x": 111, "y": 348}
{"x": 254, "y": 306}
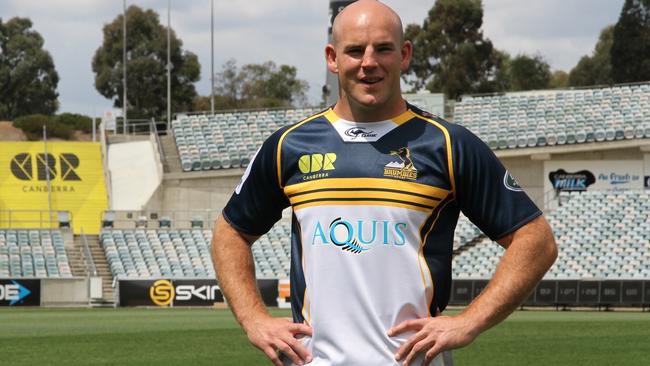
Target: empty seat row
{"x": 557, "y": 117}
{"x": 33, "y": 254}
{"x": 600, "y": 234}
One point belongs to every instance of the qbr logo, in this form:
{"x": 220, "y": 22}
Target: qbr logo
{"x": 22, "y": 166}
{"x": 316, "y": 162}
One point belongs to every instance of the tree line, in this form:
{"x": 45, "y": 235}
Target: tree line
{"x": 451, "y": 55}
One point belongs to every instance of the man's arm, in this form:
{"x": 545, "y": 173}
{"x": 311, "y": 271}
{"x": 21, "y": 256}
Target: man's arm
{"x": 530, "y": 252}
{"x": 233, "y": 263}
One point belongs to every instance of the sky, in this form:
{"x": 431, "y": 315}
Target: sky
{"x": 292, "y": 32}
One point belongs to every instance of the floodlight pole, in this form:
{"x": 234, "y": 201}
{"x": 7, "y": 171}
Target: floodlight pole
{"x": 212, "y": 56}
{"x": 169, "y": 66}
{"x": 47, "y": 175}
{"x": 124, "y": 102}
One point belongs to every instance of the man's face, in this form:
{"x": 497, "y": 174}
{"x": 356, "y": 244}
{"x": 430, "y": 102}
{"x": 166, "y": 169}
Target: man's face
{"x": 369, "y": 57}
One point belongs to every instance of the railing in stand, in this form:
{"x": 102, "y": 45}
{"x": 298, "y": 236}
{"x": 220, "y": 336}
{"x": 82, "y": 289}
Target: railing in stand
{"x": 88, "y": 257}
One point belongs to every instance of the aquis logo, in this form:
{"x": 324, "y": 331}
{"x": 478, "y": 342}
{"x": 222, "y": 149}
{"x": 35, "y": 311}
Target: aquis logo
{"x": 358, "y": 236}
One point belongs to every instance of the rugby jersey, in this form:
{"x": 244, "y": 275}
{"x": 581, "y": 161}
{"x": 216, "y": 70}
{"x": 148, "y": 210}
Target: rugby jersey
{"x": 375, "y": 206}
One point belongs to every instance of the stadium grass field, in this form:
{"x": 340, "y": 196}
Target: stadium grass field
{"x": 212, "y": 337}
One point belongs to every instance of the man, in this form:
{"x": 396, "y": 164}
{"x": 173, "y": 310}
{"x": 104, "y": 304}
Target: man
{"x": 376, "y": 187}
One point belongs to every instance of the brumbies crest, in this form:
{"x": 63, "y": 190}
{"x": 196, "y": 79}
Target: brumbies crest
{"x": 402, "y": 166}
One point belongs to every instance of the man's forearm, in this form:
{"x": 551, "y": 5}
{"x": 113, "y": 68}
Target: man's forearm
{"x": 530, "y": 253}
{"x": 235, "y": 269}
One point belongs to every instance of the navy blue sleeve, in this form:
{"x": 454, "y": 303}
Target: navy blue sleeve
{"x": 258, "y": 200}
{"x": 486, "y": 192}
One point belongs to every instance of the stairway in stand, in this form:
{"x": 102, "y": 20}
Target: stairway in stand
{"x": 99, "y": 258}
{"x": 172, "y": 163}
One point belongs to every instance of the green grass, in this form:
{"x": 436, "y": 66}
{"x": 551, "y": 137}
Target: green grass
{"x": 212, "y": 337}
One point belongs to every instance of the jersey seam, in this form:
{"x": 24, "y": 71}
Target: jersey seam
{"x": 424, "y": 243}
{"x": 450, "y": 160}
{"x": 278, "y": 162}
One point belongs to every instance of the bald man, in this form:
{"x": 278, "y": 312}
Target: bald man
{"x": 376, "y": 186}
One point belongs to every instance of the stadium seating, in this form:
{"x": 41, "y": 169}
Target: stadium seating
{"x": 465, "y": 232}
{"x": 600, "y": 234}
{"x": 33, "y": 253}
{"x": 172, "y": 253}
{"x": 143, "y": 253}
{"x": 228, "y": 140}
{"x": 557, "y": 117}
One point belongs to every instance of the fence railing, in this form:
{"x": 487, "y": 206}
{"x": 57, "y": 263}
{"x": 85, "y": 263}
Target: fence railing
{"x": 161, "y": 219}
{"x": 88, "y": 256}
{"x": 35, "y": 219}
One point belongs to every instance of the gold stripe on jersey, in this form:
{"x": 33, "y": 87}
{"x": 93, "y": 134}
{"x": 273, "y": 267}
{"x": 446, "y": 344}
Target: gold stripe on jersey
{"x": 421, "y": 259}
{"x": 406, "y": 116}
{"x": 331, "y": 116}
{"x": 413, "y": 188}
{"x": 450, "y": 161}
{"x": 356, "y": 194}
{"x": 278, "y": 161}
{"x": 361, "y": 203}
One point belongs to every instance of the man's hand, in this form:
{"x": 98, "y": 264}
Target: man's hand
{"x": 273, "y": 335}
{"x": 432, "y": 336}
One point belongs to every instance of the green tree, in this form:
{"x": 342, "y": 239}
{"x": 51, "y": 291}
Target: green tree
{"x": 450, "y": 53}
{"x": 559, "y": 79}
{"x": 28, "y": 79}
{"x": 597, "y": 68}
{"x": 258, "y": 86}
{"x": 146, "y": 47}
{"x": 631, "y": 43}
{"x": 529, "y": 73}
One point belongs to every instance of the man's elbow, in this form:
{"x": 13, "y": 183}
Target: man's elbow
{"x": 549, "y": 249}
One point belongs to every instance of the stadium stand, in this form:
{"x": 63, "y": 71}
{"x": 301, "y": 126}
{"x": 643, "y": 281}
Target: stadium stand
{"x": 465, "y": 232}
{"x": 228, "y": 140}
{"x": 140, "y": 253}
{"x": 33, "y": 253}
{"x": 600, "y": 234}
{"x": 557, "y": 117}
{"x": 157, "y": 253}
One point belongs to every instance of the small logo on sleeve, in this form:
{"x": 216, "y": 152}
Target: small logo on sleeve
{"x": 511, "y": 183}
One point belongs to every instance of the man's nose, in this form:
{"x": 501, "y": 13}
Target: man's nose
{"x": 369, "y": 60}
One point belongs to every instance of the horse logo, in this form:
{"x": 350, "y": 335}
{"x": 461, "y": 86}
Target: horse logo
{"x": 402, "y": 169}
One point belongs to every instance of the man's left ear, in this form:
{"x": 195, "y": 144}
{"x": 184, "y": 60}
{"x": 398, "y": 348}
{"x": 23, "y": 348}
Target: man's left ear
{"x": 407, "y": 53}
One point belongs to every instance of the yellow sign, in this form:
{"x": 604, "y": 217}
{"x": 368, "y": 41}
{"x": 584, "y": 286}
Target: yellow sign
{"x": 162, "y": 292}
{"x": 75, "y": 174}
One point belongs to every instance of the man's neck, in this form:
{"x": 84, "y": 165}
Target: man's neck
{"x": 358, "y": 113}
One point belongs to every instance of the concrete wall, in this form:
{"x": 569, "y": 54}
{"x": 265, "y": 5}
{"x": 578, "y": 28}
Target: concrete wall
{"x": 207, "y": 193}
{"x": 618, "y": 154}
{"x": 136, "y": 173}
{"x": 64, "y": 292}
